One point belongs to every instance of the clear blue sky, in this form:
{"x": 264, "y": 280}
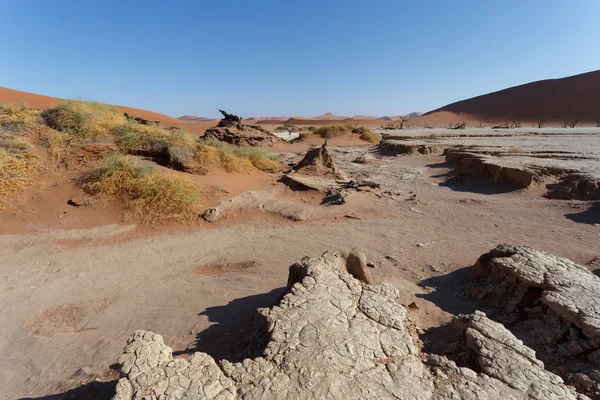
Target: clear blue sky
{"x": 258, "y": 58}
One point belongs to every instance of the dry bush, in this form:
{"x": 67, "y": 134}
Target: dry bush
{"x": 83, "y": 119}
{"x": 235, "y": 163}
{"x": 145, "y": 191}
{"x": 516, "y": 150}
{"x": 331, "y": 131}
{"x": 17, "y": 162}
{"x": 178, "y": 146}
{"x": 58, "y": 144}
{"x": 305, "y": 136}
{"x": 212, "y": 152}
{"x": 18, "y": 116}
{"x": 367, "y": 135}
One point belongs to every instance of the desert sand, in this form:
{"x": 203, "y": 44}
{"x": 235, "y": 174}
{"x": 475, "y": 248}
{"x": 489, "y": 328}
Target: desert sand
{"x": 78, "y": 281}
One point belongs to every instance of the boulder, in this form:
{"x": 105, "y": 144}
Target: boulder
{"x": 248, "y": 135}
{"x": 552, "y": 302}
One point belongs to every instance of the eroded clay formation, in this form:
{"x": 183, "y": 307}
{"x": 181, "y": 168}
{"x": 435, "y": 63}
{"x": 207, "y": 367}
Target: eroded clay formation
{"x": 335, "y": 337}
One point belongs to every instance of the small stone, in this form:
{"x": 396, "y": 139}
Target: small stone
{"x": 420, "y": 244}
{"x": 211, "y": 214}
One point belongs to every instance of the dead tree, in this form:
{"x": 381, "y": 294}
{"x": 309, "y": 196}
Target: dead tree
{"x": 229, "y": 119}
{"x": 403, "y": 121}
{"x": 570, "y": 123}
{"x": 598, "y": 123}
{"x": 541, "y": 123}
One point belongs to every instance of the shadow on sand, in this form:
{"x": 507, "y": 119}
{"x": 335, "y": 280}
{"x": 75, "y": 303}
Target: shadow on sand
{"x": 239, "y": 331}
{"x": 590, "y": 216}
{"x": 89, "y": 391}
{"x": 447, "y": 292}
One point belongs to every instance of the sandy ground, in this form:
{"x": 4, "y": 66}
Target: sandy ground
{"x": 71, "y": 294}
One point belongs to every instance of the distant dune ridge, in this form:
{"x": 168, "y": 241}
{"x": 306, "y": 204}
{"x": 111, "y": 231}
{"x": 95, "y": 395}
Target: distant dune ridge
{"x": 554, "y": 100}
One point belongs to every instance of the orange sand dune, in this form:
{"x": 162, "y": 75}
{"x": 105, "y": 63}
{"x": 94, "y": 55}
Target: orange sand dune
{"x": 553, "y": 100}
{"x": 40, "y": 101}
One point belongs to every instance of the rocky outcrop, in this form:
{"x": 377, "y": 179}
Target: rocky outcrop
{"x": 475, "y": 166}
{"x": 239, "y": 134}
{"x": 552, "y": 303}
{"x": 576, "y": 186}
{"x": 331, "y": 337}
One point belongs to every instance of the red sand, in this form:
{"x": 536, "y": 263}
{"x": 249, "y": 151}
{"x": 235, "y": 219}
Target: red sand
{"x": 553, "y": 100}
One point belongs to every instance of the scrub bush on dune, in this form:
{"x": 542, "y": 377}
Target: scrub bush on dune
{"x": 237, "y": 158}
{"x": 18, "y": 117}
{"x": 144, "y": 190}
{"x": 83, "y": 119}
{"x": 17, "y": 162}
{"x": 178, "y": 146}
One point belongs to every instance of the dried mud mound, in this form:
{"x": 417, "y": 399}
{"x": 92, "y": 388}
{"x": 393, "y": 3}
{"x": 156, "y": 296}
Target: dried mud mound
{"x": 551, "y": 303}
{"x": 502, "y": 171}
{"x": 333, "y": 337}
{"x": 317, "y": 161}
{"x": 390, "y": 145}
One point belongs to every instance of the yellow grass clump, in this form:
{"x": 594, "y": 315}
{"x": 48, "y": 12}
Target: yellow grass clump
{"x": 331, "y": 131}
{"x": 516, "y": 150}
{"x": 83, "y": 119}
{"x": 367, "y": 134}
{"x": 145, "y": 191}
{"x": 17, "y": 162}
{"x": 18, "y": 116}
{"x": 58, "y": 144}
{"x": 236, "y": 158}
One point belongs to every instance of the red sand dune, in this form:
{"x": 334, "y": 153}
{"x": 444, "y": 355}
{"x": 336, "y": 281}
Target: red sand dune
{"x": 553, "y": 100}
{"x": 40, "y": 101}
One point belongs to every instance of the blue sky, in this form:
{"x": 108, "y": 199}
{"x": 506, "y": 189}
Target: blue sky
{"x": 259, "y": 58}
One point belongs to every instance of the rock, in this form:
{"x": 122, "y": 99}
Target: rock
{"x": 552, "y": 300}
{"x": 333, "y": 337}
{"x": 239, "y": 134}
{"x": 322, "y": 185}
{"x": 364, "y": 159}
{"x": 317, "y": 161}
{"x": 211, "y": 214}
{"x": 576, "y": 186}
{"x": 356, "y": 265}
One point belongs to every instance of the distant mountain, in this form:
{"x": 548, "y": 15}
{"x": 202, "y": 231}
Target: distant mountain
{"x": 329, "y": 117}
{"x": 572, "y": 98}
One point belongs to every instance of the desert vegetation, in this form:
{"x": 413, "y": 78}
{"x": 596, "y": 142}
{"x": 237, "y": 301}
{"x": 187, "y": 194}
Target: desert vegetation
{"x": 367, "y": 135}
{"x": 458, "y": 125}
{"x": 403, "y": 120}
{"x": 144, "y": 190}
{"x": 212, "y": 152}
{"x": 570, "y": 123}
{"x": 18, "y": 117}
{"x": 289, "y": 128}
{"x": 17, "y": 162}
